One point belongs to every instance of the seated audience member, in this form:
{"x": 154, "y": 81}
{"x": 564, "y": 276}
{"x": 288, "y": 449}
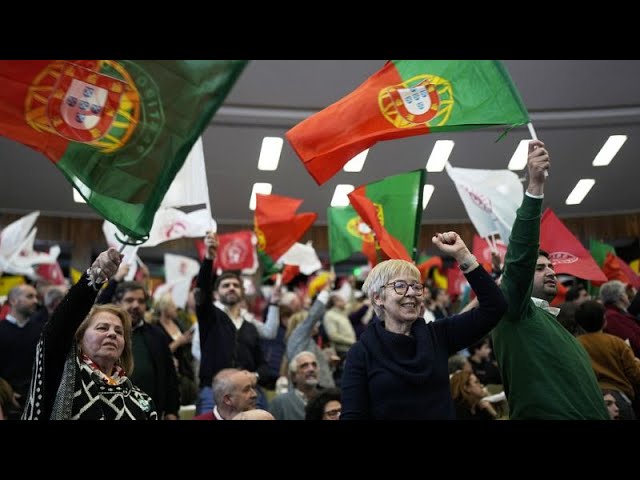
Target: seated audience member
{"x": 324, "y": 406}
{"x": 612, "y": 406}
{"x": 255, "y": 414}
{"x": 612, "y": 360}
{"x": 467, "y": 393}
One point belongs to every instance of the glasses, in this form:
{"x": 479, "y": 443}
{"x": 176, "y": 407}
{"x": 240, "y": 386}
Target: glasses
{"x": 401, "y": 287}
{"x": 333, "y": 413}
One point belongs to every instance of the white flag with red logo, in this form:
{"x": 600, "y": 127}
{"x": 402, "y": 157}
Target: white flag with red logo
{"x": 490, "y": 197}
{"x": 24, "y": 259}
{"x": 236, "y": 251}
{"x": 179, "y": 267}
{"x": 171, "y": 224}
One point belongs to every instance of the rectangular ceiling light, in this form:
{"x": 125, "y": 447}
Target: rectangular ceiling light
{"x": 439, "y": 155}
{"x": 270, "y": 153}
{"x": 427, "y": 192}
{"x": 609, "y": 150}
{"x": 580, "y": 191}
{"x": 340, "y": 198}
{"x": 357, "y": 162}
{"x": 77, "y": 197}
{"x": 519, "y": 159}
{"x": 264, "y": 188}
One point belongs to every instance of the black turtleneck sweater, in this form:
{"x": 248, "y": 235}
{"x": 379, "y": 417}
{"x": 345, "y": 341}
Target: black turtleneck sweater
{"x": 399, "y": 377}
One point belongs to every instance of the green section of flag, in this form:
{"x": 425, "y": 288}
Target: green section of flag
{"x": 343, "y": 244}
{"x": 400, "y": 199}
{"x": 481, "y": 92}
{"x": 599, "y": 251}
{"x": 267, "y": 265}
{"x": 177, "y": 101}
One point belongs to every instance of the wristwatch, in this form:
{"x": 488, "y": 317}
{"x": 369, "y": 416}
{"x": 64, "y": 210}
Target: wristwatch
{"x": 467, "y": 263}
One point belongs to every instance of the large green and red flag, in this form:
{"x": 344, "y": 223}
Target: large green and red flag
{"x": 119, "y": 130}
{"x": 278, "y": 227}
{"x": 406, "y": 98}
{"x": 384, "y": 215}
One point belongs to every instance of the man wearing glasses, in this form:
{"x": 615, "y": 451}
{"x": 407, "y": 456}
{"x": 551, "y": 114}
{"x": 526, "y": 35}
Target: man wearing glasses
{"x": 398, "y": 368}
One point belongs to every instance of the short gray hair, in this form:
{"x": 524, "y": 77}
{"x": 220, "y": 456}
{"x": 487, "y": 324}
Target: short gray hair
{"x": 381, "y": 274}
{"x": 293, "y": 364}
{"x": 223, "y": 384}
{"x": 612, "y": 291}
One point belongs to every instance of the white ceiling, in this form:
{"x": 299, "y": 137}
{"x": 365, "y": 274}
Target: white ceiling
{"x": 574, "y": 106}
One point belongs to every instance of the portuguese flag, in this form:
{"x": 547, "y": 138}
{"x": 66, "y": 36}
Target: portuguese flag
{"x": 384, "y": 215}
{"x": 278, "y": 227}
{"x": 612, "y": 266}
{"x": 119, "y": 130}
{"x": 405, "y": 98}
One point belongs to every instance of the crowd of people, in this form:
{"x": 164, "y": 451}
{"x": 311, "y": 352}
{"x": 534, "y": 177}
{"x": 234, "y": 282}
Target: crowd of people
{"x": 391, "y": 348}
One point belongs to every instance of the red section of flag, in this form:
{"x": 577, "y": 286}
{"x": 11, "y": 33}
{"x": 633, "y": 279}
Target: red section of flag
{"x": 289, "y": 273}
{"x": 277, "y": 225}
{"x": 561, "y": 293}
{"x": 617, "y": 269}
{"x": 424, "y": 267}
{"x": 456, "y": 280}
{"x": 389, "y": 244}
{"x": 482, "y": 251}
{"x": 565, "y": 251}
{"x": 235, "y": 251}
{"x": 51, "y": 272}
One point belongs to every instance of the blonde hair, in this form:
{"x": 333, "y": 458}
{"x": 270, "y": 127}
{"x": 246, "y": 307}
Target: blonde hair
{"x": 381, "y": 274}
{"x": 126, "y": 358}
{"x": 160, "y": 306}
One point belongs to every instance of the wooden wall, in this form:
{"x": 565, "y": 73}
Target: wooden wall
{"x": 84, "y": 236}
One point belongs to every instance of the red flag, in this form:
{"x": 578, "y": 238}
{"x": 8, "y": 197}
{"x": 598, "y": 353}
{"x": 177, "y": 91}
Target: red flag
{"x": 424, "y": 267}
{"x": 565, "y": 251}
{"x": 277, "y": 225}
{"x": 235, "y": 251}
{"x": 457, "y": 281}
{"x": 617, "y": 269}
{"x": 289, "y": 273}
{"x": 561, "y": 293}
{"x": 51, "y": 272}
{"x": 482, "y": 251}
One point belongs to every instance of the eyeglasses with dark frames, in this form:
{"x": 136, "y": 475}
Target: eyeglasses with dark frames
{"x": 401, "y": 287}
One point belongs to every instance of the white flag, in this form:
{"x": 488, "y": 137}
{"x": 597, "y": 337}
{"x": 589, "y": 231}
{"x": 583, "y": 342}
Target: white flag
{"x": 130, "y": 252}
{"x": 491, "y": 198}
{"x": 14, "y": 234}
{"x": 304, "y": 256}
{"x": 22, "y": 261}
{"x": 179, "y": 267}
{"x": 171, "y": 223}
{"x": 190, "y": 186}
{"x": 179, "y": 292}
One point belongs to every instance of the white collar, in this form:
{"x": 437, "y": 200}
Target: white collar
{"x": 244, "y": 314}
{"x": 14, "y": 320}
{"x": 543, "y": 304}
{"x": 216, "y": 413}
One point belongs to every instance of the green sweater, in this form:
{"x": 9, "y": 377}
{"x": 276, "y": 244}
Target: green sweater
{"x": 546, "y": 373}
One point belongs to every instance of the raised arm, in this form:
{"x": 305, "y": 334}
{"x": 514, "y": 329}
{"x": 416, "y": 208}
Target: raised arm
{"x": 302, "y": 333}
{"x": 204, "y": 300}
{"x": 461, "y": 330}
{"x": 524, "y": 243}
{"x": 58, "y": 334}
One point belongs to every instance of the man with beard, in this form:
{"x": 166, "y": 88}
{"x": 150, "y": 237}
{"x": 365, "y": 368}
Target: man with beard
{"x": 154, "y": 372}
{"x": 304, "y": 372}
{"x": 546, "y": 373}
{"x": 19, "y": 335}
{"x": 227, "y": 340}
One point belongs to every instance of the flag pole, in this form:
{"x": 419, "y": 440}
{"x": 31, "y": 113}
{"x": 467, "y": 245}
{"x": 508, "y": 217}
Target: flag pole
{"x": 535, "y": 137}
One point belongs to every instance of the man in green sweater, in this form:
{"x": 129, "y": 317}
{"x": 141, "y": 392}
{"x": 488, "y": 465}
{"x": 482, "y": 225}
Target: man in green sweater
{"x": 546, "y": 373}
